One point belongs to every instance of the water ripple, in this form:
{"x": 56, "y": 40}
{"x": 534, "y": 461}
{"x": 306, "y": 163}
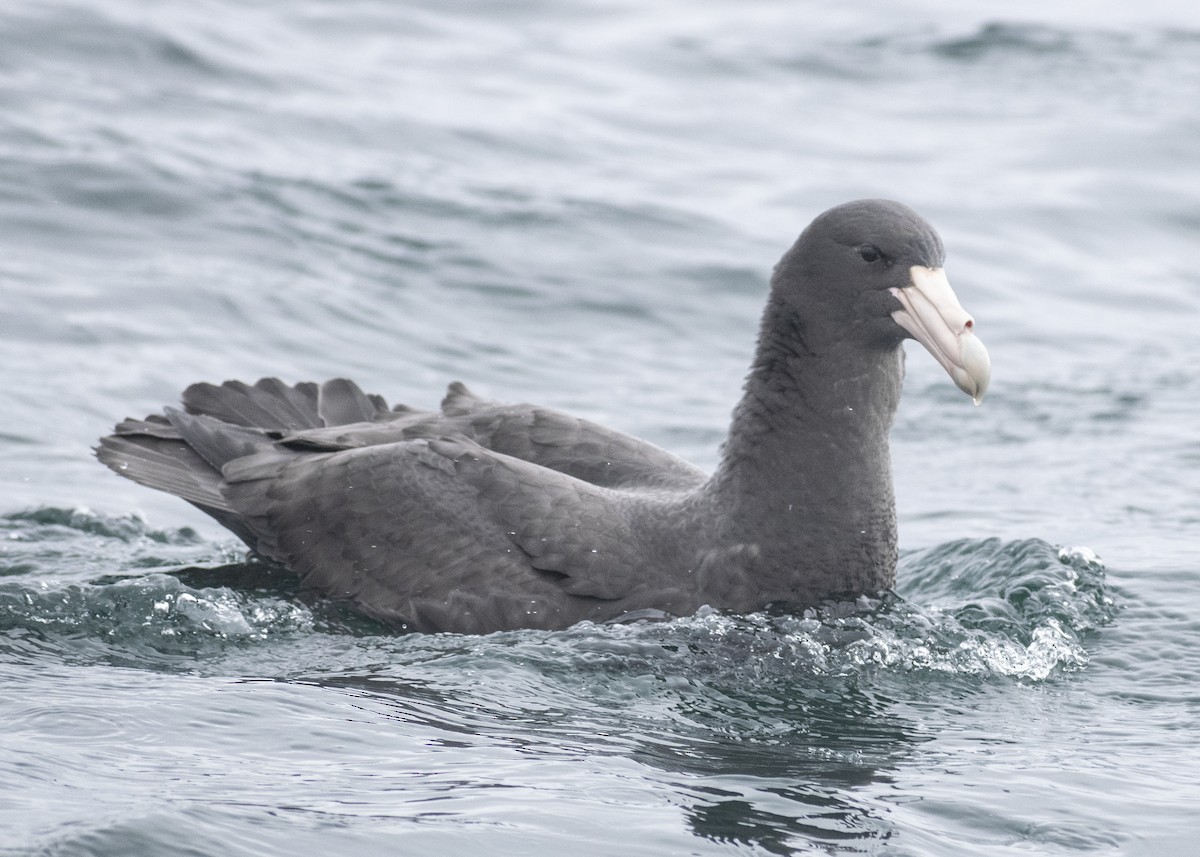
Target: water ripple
{"x": 988, "y": 608}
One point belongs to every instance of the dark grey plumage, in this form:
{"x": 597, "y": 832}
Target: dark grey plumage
{"x": 484, "y": 516}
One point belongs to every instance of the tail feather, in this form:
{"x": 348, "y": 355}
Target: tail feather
{"x": 167, "y": 465}
{"x": 342, "y": 402}
{"x": 173, "y": 467}
{"x": 269, "y": 404}
{"x": 224, "y": 429}
{"x": 299, "y": 402}
{"x": 215, "y": 441}
{"x": 154, "y": 425}
{"x": 459, "y": 401}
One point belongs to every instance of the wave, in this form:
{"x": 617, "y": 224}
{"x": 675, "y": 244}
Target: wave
{"x": 89, "y": 586}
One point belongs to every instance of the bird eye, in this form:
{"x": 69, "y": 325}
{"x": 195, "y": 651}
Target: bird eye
{"x": 870, "y": 253}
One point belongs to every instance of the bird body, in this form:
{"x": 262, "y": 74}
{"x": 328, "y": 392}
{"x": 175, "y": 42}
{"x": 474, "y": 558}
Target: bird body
{"x": 482, "y": 516}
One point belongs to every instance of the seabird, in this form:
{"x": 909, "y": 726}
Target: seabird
{"x": 483, "y": 516}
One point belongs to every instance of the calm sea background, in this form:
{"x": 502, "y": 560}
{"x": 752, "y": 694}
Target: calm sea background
{"x": 578, "y": 204}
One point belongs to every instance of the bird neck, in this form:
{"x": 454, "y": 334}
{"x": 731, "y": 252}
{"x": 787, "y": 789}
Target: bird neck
{"x": 805, "y": 475}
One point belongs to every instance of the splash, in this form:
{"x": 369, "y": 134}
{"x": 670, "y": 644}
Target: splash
{"x": 90, "y": 585}
{"x": 984, "y": 608}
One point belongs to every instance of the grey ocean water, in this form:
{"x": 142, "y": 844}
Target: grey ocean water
{"x": 578, "y": 204}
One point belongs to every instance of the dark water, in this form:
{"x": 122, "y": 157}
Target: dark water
{"x": 579, "y": 204}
